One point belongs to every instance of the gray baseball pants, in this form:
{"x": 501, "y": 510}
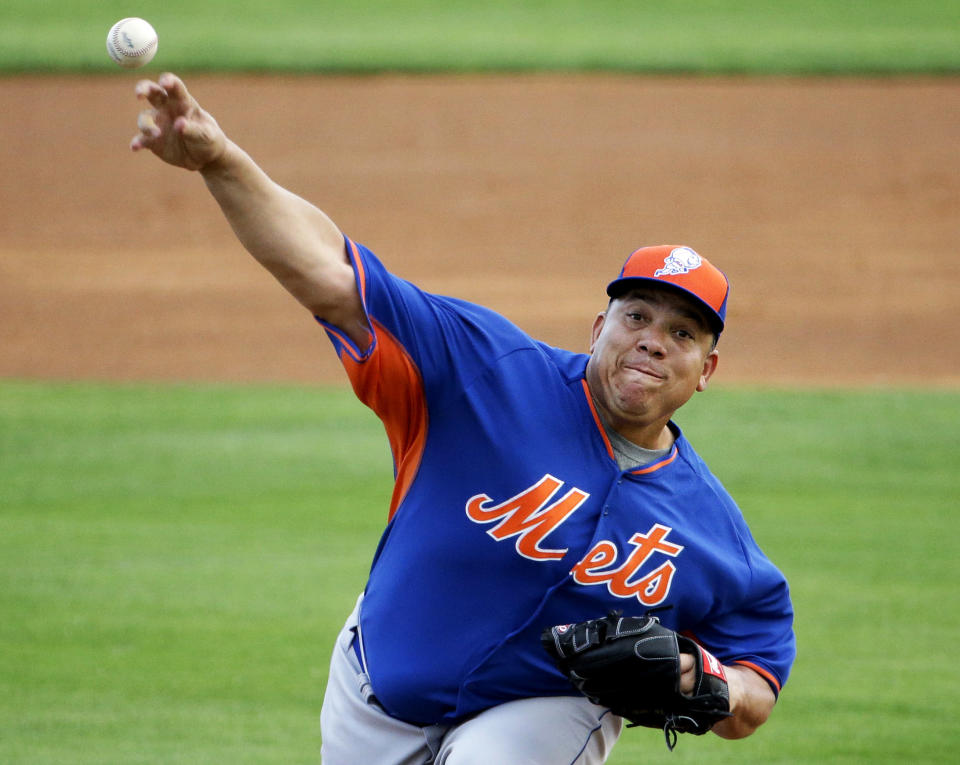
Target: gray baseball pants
{"x": 562, "y": 730}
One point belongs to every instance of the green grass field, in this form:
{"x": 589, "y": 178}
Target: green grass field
{"x": 755, "y": 36}
{"x": 177, "y": 560}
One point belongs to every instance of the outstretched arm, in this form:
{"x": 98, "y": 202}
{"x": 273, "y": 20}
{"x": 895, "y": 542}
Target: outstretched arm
{"x": 290, "y": 237}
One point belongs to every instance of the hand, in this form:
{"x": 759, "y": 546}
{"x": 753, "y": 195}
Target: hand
{"x": 688, "y": 674}
{"x": 175, "y": 128}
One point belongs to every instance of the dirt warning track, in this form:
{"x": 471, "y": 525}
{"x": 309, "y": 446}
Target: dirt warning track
{"x": 832, "y": 204}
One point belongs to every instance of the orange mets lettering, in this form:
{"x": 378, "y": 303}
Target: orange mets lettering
{"x": 528, "y": 516}
{"x": 602, "y": 555}
{"x": 625, "y": 581}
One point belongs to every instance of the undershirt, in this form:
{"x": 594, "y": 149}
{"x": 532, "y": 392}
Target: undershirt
{"x": 627, "y": 453}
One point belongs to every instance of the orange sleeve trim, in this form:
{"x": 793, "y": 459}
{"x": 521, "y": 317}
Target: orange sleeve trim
{"x": 346, "y": 344}
{"x": 361, "y": 274}
{"x": 389, "y": 383}
{"x": 769, "y": 677}
{"x": 763, "y": 673}
{"x": 596, "y": 418}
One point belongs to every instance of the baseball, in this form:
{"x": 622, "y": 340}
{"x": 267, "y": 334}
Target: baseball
{"x": 132, "y": 42}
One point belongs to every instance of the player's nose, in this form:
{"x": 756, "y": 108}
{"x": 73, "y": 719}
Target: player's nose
{"x": 651, "y": 341}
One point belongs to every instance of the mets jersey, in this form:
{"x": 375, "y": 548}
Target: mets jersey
{"x": 509, "y": 514}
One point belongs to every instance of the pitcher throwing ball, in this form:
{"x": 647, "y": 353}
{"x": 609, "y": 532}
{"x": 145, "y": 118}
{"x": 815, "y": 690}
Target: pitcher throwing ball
{"x": 557, "y": 558}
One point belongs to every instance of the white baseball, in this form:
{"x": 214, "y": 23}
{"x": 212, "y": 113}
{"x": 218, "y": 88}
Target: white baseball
{"x": 132, "y": 42}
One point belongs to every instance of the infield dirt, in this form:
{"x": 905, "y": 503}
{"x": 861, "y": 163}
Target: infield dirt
{"x": 832, "y": 204}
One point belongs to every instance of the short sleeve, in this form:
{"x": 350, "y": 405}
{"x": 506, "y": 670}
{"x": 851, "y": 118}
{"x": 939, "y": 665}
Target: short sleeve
{"x": 757, "y": 630}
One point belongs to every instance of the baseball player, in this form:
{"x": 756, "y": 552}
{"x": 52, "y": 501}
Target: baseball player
{"x": 543, "y": 499}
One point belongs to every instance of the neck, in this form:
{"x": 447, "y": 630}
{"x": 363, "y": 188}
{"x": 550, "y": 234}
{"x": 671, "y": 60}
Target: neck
{"x": 653, "y": 435}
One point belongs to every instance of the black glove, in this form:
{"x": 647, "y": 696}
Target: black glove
{"x": 632, "y": 665}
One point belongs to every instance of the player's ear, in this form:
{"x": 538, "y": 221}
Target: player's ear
{"x": 709, "y": 367}
{"x": 597, "y": 327}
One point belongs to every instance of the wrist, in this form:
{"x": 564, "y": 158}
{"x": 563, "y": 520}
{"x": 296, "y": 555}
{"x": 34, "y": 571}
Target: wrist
{"x": 751, "y": 702}
{"x": 734, "y": 686}
{"x": 224, "y": 163}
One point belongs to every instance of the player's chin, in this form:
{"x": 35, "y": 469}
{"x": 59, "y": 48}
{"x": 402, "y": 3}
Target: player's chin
{"x": 638, "y": 390}
{"x": 635, "y": 404}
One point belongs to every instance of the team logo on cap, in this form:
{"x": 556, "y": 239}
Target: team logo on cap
{"x": 681, "y": 260}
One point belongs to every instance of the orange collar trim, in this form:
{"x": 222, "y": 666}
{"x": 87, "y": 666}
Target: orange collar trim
{"x": 596, "y": 419}
{"x": 657, "y": 465}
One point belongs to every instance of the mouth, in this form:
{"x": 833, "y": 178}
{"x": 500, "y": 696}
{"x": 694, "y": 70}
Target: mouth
{"x": 646, "y": 370}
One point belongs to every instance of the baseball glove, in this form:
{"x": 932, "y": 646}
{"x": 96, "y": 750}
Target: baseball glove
{"x": 632, "y": 665}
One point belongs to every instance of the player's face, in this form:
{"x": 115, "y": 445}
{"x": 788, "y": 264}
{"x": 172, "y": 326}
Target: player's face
{"x": 651, "y": 350}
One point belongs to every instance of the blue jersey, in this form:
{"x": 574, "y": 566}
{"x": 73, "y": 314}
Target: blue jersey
{"x": 510, "y": 514}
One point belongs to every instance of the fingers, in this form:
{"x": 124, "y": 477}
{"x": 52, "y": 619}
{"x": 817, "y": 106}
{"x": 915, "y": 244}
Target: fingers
{"x": 147, "y": 123}
{"x": 151, "y": 91}
{"x": 149, "y": 131}
{"x": 191, "y": 130}
{"x": 156, "y": 95}
{"x": 687, "y": 675}
{"x": 169, "y": 95}
{"x": 176, "y": 92}
{"x": 168, "y": 91}
{"x": 139, "y": 142}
